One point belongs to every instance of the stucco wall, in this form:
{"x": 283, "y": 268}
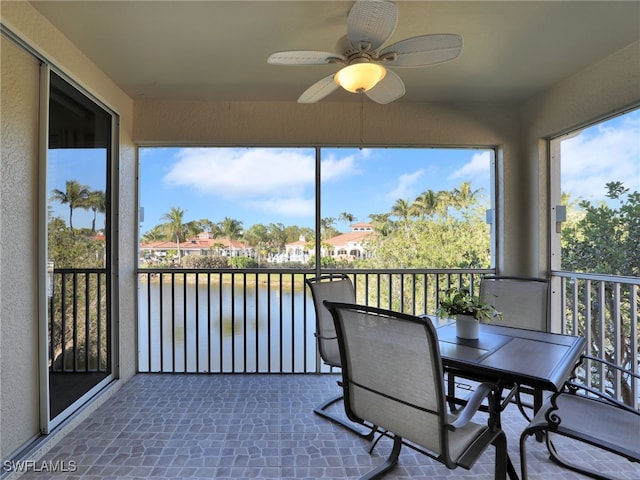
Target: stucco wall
{"x": 19, "y": 420}
{"x": 325, "y": 123}
{"x": 18, "y": 256}
{"x": 607, "y": 87}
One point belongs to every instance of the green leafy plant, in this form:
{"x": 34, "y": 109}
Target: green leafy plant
{"x": 459, "y": 301}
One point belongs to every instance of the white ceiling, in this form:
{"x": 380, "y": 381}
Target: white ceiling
{"x": 217, "y": 50}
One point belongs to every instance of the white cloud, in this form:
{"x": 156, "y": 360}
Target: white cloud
{"x": 242, "y": 173}
{"x": 273, "y": 180}
{"x": 334, "y": 168}
{"x": 606, "y": 152}
{"x": 252, "y": 172}
{"x": 478, "y": 168}
{"x": 405, "y": 184}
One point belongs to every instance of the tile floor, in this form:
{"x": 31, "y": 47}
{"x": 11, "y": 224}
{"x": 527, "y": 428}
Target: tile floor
{"x": 172, "y": 426}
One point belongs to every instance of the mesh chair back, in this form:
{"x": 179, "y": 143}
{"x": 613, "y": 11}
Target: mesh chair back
{"x": 335, "y": 288}
{"x": 522, "y": 301}
{"x": 392, "y": 373}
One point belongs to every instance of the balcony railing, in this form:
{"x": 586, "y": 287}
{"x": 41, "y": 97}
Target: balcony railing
{"x": 78, "y": 327}
{"x": 604, "y": 309}
{"x": 257, "y": 320}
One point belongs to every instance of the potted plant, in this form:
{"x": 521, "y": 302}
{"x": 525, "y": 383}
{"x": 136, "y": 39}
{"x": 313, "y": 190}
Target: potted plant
{"x": 468, "y": 310}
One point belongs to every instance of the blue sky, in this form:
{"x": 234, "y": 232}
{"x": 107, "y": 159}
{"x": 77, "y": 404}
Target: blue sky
{"x": 265, "y": 185}
{"x": 276, "y": 185}
{"x": 609, "y": 151}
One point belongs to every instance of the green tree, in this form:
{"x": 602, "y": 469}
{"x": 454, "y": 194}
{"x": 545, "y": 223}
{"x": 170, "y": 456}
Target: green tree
{"x": 193, "y": 229}
{"x": 605, "y": 238}
{"x": 75, "y": 195}
{"x": 257, "y": 236}
{"x": 428, "y": 203}
{"x": 463, "y": 196}
{"x": 174, "y": 226}
{"x": 68, "y": 250}
{"x": 206, "y": 225}
{"x": 231, "y": 229}
{"x": 327, "y": 229}
{"x": 294, "y": 232}
{"x": 402, "y": 210}
{"x": 153, "y": 235}
{"x": 97, "y": 202}
{"x": 382, "y": 223}
{"x": 277, "y": 237}
{"x": 347, "y": 218}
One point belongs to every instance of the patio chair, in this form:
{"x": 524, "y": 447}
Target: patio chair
{"x": 590, "y": 416}
{"x": 392, "y": 377}
{"x": 524, "y": 303}
{"x": 338, "y": 288}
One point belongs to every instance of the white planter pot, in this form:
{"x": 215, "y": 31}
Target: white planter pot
{"x": 467, "y": 327}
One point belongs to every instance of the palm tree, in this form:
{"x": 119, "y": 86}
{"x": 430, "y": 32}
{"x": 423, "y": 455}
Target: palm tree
{"x": 426, "y": 204}
{"x": 192, "y": 229}
{"x": 174, "y": 226}
{"x": 96, "y": 201}
{"x": 382, "y": 223}
{"x": 463, "y": 196}
{"x": 153, "y": 235}
{"x": 402, "y": 210}
{"x": 347, "y": 218}
{"x": 75, "y": 195}
{"x": 325, "y": 225}
{"x": 231, "y": 229}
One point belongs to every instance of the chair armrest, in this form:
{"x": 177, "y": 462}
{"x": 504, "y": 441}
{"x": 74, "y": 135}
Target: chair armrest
{"x": 571, "y": 386}
{"x": 324, "y": 338}
{"x": 482, "y": 391}
{"x": 609, "y": 364}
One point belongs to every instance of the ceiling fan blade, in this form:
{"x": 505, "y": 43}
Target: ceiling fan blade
{"x": 371, "y": 23}
{"x": 304, "y": 57}
{"x": 423, "y": 50}
{"x": 318, "y": 90}
{"x": 390, "y": 88}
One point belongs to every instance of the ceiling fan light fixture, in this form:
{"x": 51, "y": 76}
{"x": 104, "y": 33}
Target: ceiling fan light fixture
{"x": 360, "y": 77}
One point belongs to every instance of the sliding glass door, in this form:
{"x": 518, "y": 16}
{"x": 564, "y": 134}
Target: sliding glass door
{"x": 78, "y": 216}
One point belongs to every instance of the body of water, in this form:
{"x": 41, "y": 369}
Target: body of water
{"x": 225, "y": 327}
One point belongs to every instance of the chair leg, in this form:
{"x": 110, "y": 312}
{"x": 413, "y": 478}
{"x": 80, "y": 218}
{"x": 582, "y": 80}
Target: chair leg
{"x": 367, "y": 432}
{"x": 389, "y": 463}
{"x": 523, "y": 454}
{"x": 451, "y": 392}
{"x": 503, "y": 462}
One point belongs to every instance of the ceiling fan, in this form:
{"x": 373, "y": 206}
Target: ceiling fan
{"x": 369, "y": 25}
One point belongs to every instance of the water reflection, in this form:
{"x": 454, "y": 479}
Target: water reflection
{"x": 224, "y": 327}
